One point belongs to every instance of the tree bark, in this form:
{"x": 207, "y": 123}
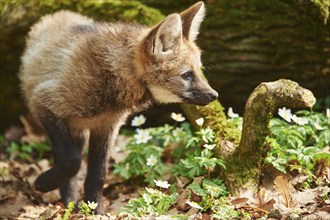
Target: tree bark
{"x": 249, "y": 42}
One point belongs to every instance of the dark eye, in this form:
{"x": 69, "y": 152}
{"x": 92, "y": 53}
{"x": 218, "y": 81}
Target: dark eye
{"x": 188, "y": 76}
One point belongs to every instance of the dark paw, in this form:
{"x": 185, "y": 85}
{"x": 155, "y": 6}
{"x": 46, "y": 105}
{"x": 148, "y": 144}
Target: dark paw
{"x": 42, "y": 186}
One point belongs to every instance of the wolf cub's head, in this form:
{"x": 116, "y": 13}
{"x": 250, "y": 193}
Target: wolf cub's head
{"x": 171, "y": 61}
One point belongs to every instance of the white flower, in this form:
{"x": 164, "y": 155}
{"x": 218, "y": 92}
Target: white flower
{"x": 299, "y": 121}
{"x": 177, "y": 131}
{"x": 285, "y": 114}
{"x": 177, "y": 117}
{"x": 162, "y": 184}
{"x": 200, "y": 121}
{"x": 328, "y": 112}
{"x": 194, "y": 205}
{"x": 231, "y": 114}
{"x": 318, "y": 126}
{"x": 138, "y": 120}
{"x": 92, "y": 205}
{"x": 142, "y": 136}
{"x": 151, "y": 160}
{"x": 151, "y": 191}
{"x": 209, "y": 146}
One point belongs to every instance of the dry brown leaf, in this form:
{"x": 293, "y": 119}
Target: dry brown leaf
{"x": 263, "y": 202}
{"x": 261, "y": 195}
{"x": 300, "y": 178}
{"x": 34, "y": 132}
{"x": 306, "y": 196}
{"x": 239, "y": 201}
{"x": 7, "y": 191}
{"x": 268, "y": 206}
{"x": 11, "y": 208}
{"x": 247, "y": 193}
{"x": 282, "y": 185}
{"x": 317, "y": 215}
{"x": 51, "y": 212}
{"x": 13, "y": 134}
{"x": 121, "y": 201}
{"x": 31, "y": 126}
{"x": 182, "y": 182}
{"x": 180, "y": 202}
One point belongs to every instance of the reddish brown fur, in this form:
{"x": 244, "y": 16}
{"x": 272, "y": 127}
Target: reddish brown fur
{"x": 97, "y": 69}
{"x": 89, "y": 75}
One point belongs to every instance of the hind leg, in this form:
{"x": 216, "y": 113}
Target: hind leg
{"x": 67, "y": 155}
{"x": 69, "y": 191}
{"x": 96, "y": 172}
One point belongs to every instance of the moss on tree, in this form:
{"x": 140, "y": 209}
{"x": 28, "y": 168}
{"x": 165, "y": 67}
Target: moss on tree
{"x": 227, "y": 135}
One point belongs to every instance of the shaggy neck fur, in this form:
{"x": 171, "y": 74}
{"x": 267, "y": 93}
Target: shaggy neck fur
{"x": 110, "y": 52}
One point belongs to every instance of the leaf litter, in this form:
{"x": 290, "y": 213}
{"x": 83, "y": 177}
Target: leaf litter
{"x": 276, "y": 198}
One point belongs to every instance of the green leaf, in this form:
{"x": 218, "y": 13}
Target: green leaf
{"x": 322, "y": 156}
{"x": 197, "y": 189}
{"x": 214, "y": 188}
{"x": 192, "y": 142}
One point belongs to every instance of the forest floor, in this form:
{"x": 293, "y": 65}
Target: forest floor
{"x": 275, "y": 200}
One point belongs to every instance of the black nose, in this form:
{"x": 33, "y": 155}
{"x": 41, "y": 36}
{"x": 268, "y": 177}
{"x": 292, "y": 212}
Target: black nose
{"x": 213, "y": 95}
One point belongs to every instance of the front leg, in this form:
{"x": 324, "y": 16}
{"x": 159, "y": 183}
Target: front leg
{"x": 97, "y": 166}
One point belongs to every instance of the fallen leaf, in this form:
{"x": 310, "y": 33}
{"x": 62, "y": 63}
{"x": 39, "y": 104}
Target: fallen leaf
{"x": 7, "y": 191}
{"x": 300, "y": 178}
{"x": 239, "y": 201}
{"x": 182, "y": 181}
{"x": 317, "y": 215}
{"x": 121, "y": 201}
{"x": 305, "y": 197}
{"x": 247, "y": 193}
{"x": 34, "y": 132}
{"x": 180, "y": 202}
{"x": 12, "y": 207}
{"x": 51, "y": 212}
{"x": 268, "y": 206}
{"x": 13, "y": 134}
{"x": 282, "y": 185}
{"x": 261, "y": 195}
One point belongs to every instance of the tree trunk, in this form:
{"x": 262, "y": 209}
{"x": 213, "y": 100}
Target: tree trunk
{"x": 247, "y": 42}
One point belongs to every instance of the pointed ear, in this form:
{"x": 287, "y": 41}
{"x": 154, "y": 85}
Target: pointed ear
{"x": 191, "y": 20}
{"x": 168, "y": 36}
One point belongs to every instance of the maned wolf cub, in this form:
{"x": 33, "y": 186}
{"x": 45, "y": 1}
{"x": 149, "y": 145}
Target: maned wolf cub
{"x": 79, "y": 74}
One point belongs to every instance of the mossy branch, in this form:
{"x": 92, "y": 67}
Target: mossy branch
{"x": 244, "y": 154}
{"x": 245, "y": 163}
